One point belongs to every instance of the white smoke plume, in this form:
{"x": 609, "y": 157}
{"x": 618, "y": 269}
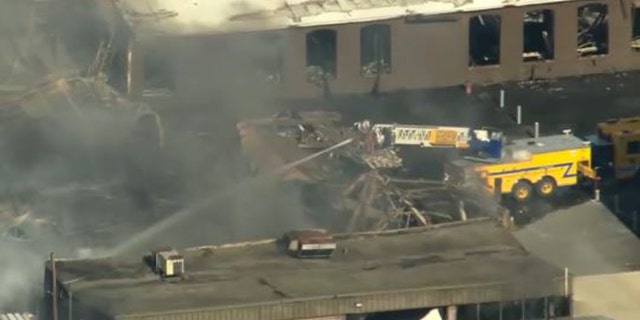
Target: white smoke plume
{"x": 198, "y": 15}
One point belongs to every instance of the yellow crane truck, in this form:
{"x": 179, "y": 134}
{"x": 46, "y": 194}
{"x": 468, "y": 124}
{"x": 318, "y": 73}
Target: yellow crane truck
{"x": 527, "y": 165}
{"x": 541, "y": 165}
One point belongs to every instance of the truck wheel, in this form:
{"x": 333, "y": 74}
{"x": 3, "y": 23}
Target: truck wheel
{"x": 521, "y": 191}
{"x": 546, "y": 187}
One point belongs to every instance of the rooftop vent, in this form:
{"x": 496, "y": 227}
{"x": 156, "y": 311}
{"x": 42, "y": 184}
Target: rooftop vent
{"x": 310, "y": 243}
{"x": 521, "y": 155}
{"x": 168, "y": 263}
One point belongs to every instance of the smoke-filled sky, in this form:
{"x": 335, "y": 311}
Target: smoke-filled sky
{"x": 202, "y": 12}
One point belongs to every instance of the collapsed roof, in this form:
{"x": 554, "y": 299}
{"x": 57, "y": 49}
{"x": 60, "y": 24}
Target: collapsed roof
{"x": 201, "y": 17}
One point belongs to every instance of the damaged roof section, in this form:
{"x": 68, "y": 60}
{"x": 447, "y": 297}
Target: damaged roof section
{"x": 201, "y": 17}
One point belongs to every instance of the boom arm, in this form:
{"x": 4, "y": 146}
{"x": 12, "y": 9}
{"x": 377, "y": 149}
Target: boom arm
{"x": 485, "y": 140}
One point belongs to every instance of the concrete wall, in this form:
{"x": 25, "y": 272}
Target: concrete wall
{"x": 614, "y": 296}
{"x": 434, "y": 53}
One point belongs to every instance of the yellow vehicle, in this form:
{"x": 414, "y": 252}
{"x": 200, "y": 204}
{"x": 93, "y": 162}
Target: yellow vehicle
{"x": 526, "y": 166}
{"x": 616, "y": 148}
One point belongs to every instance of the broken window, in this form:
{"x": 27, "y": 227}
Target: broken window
{"x": 559, "y": 307}
{"x": 593, "y": 30}
{"x": 375, "y": 50}
{"x": 484, "y": 40}
{"x": 271, "y": 61}
{"x": 538, "y": 35}
{"x": 635, "y": 31}
{"x": 321, "y": 55}
{"x": 158, "y": 72}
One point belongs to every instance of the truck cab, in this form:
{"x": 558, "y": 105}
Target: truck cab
{"x": 616, "y": 148}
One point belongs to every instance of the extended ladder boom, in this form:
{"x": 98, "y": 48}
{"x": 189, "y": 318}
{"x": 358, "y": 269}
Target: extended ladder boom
{"x": 425, "y": 136}
{"x": 430, "y": 136}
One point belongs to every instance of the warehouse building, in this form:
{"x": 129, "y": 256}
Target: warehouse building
{"x": 473, "y": 270}
{"x": 306, "y": 49}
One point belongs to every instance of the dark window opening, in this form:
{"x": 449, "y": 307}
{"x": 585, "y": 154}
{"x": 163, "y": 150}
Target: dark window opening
{"x": 538, "y": 35}
{"x": 375, "y": 50}
{"x": 512, "y": 310}
{"x": 593, "y": 30}
{"x": 271, "y": 62}
{"x": 484, "y": 40}
{"x": 534, "y": 309}
{"x": 559, "y": 307}
{"x": 467, "y": 311}
{"x": 321, "y": 55}
{"x": 489, "y": 311}
{"x": 315, "y": 253}
{"x": 633, "y": 147}
{"x": 635, "y": 31}
{"x": 158, "y": 72}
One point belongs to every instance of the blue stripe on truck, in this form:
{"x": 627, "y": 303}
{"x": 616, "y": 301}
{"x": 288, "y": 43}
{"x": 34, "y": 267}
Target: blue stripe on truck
{"x": 568, "y": 166}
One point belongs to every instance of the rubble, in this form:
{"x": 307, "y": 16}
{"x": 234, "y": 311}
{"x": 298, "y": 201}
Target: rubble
{"x": 359, "y": 178}
{"x": 385, "y": 158}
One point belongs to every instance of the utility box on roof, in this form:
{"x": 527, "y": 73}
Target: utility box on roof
{"x": 310, "y": 243}
{"x": 168, "y": 263}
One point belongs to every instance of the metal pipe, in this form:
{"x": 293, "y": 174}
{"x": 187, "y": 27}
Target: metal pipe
{"x": 70, "y": 296}
{"x": 452, "y": 312}
{"x": 501, "y": 98}
{"x": 519, "y": 115}
{"x": 546, "y": 308}
{"x": 566, "y": 282}
{"x": 130, "y": 67}
{"x": 536, "y": 130}
{"x": 462, "y": 211}
{"x": 54, "y": 289}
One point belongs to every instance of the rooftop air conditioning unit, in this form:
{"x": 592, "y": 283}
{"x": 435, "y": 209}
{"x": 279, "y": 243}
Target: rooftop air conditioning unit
{"x": 168, "y": 263}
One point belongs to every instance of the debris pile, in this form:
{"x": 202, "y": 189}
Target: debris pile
{"x": 359, "y": 177}
{"x": 383, "y": 158}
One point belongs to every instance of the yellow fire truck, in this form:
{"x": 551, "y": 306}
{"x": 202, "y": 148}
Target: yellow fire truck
{"x": 526, "y": 166}
{"x": 616, "y": 148}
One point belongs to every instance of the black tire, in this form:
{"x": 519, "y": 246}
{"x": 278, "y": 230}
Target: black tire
{"x": 546, "y": 187}
{"x": 521, "y": 191}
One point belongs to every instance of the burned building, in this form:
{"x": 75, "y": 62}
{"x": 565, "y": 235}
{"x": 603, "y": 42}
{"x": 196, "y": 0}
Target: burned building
{"x": 306, "y": 49}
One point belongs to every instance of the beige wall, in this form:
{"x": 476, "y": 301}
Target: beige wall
{"x": 435, "y": 54}
{"x": 612, "y": 295}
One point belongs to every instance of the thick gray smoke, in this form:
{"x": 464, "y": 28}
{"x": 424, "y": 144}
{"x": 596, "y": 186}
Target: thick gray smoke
{"x": 77, "y": 168}
{"x": 221, "y": 85}
{"x": 17, "y": 272}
